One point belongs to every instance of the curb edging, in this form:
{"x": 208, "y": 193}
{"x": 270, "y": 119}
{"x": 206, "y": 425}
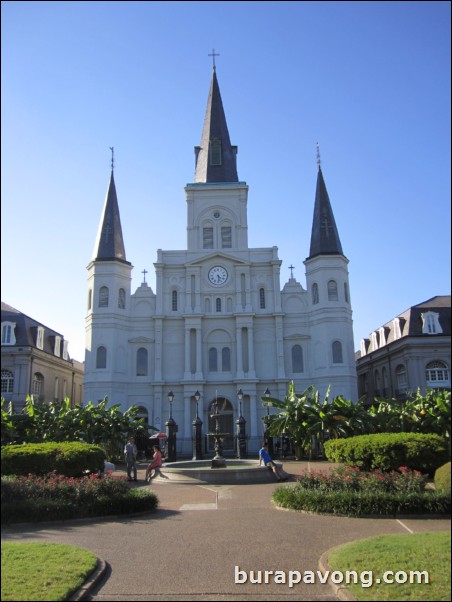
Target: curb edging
{"x": 339, "y": 590}
{"x": 90, "y": 583}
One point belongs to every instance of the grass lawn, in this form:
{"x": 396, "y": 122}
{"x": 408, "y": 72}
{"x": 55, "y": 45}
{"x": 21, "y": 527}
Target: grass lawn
{"x": 43, "y": 571}
{"x": 417, "y": 552}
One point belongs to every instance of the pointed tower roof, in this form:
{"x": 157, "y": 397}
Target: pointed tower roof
{"x": 215, "y": 157}
{"x": 109, "y": 242}
{"x": 324, "y": 236}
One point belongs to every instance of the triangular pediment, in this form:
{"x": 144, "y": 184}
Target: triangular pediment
{"x": 141, "y": 340}
{"x": 296, "y": 336}
{"x": 216, "y": 256}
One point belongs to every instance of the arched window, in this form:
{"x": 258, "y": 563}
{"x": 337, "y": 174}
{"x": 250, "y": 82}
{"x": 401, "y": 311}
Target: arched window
{"x": 213, "y": 360}
{"x": 121, "y": 298}
{"x": 402, "y": 383}
{"x": 7, "y": 381}
{"x": 226, "y": 359}
{"x": 174, "y": 300}
{"x": 142, "y": 362}
{"x": 332, "y": 290}
{"x": 337, "y": 352}
{"x": 226, "y": 237}
{"x": 207, "y": 237}
{"x": 377, "y": 383}
{"x": 437, "y": 375}
{"x": 297, "y": 358}
{"x": 218, "y": 305}
{"x": 262, "y": 298}
{"x": 103, "y": 296}
{"x": 90, "y": 298}
{"x": 101, "y": 357}
{"x": 37, "y": 384}
{"x": 384, "y": 375}
{"x": 315, "y": 293}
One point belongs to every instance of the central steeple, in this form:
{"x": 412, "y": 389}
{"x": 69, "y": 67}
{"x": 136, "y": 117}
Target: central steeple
{"x": 215, "y": 157}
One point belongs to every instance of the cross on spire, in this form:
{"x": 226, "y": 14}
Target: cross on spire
{"x": 318, "y": 155}
{"x": 112, "y": 148}
{"x": 213, "y": 54}
{"x": 144, "y": 272}
{"x": 291, "y": 268}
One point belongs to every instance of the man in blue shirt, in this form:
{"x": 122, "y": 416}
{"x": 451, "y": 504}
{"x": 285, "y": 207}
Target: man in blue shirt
{"x": 264, "y": 458}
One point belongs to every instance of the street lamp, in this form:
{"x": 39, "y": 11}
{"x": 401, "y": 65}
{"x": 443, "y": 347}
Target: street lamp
{"x": 241, "y": 429}
{"x": 267, "y": 436}
{"x": 171, "y": 430}
{"x": 171, "y": 399}
{"x": 197, "y": 431}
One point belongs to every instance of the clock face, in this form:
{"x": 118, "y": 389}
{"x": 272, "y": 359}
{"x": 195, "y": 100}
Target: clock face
{"x": 217, "y": 275}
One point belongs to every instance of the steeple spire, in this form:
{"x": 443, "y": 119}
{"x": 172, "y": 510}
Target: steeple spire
{"x": 109, "y": 242}
{"x": 324, "y": 236}
{"x": 215, "y": 157}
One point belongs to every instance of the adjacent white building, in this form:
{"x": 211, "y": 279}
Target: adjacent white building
{"x": 218, "y": 320}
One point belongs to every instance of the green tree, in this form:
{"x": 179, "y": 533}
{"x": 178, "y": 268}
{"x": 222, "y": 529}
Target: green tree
{"x": 99, "y": 424}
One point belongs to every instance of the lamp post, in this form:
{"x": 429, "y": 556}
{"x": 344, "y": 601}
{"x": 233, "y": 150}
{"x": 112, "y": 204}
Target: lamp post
{"x": 171, "y": 430}
{"x": 267, "y": 437}
{"x": 197, "y": 431}
{"x": 241, "y": 429}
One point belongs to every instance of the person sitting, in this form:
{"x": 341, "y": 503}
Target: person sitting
{"x": 156, "y": 462}
{"x": 264, "y": 457}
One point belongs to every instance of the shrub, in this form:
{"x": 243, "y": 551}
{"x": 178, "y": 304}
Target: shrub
{"x": 55, "y": 497}
{"x": 359, "y": 503}
{"x": 388, "y": 451}
{"x": 442, "y": 478}
{"x": 69, "y": 459}
{"x": 351, "y": 492}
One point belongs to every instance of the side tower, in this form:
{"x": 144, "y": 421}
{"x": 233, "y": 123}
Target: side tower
{"x": 332, "y": 347}
{"x": 106, "y": 322}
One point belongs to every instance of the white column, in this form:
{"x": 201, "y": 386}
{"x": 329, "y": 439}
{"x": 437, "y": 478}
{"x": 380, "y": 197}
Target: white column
{"x": 187, "y": 354}
{"x": 238, "y": 334}
{"x": 251, "y": 369}
{"x": 199, "y": 353}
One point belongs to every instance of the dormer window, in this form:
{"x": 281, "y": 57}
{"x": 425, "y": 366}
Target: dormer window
{"x": 40, "y": 338}
{"x": 430, "y": 323}
{"x": 8, "y": 337}
{"x": 215, "y": 152}
{"x": 57, "y": 349}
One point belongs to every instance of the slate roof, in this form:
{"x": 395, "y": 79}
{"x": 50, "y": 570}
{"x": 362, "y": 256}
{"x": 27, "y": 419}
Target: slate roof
{"x": 324, "y": 235}
{"x": 411, "y": 323}
{"x": 27, "y": 328}
{"x": 109, "y": 242}
{"x": 215, "y": 128}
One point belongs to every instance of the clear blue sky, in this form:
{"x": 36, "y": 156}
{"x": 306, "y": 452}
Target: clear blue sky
{"x": 370, "y": 81}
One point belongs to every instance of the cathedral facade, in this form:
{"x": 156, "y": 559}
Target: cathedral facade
{"x": 218, "y": 322}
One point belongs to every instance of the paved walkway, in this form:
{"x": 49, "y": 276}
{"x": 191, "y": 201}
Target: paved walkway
{"x": 189, "y": 548}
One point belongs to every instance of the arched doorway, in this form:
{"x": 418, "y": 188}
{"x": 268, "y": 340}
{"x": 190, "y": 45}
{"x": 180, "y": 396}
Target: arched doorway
{"x": 225, "y": 423}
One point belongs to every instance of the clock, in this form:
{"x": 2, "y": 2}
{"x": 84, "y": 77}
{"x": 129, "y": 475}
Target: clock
{"x": 217, "y": 275}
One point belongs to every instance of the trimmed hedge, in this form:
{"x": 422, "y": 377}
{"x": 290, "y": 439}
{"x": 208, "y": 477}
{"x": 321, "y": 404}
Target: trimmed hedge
{"x": 35, "y": 499}
{"x": 389, "y": 451}
{"x": 442, "y": 478}
{"x": 360, "y": 503}
{"x": 66, "y": 458}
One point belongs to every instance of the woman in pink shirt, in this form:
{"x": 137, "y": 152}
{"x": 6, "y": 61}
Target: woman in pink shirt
{"x": 155, "y": 463}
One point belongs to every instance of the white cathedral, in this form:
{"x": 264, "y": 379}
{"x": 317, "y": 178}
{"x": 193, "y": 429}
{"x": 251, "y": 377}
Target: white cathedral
{"x": 218, "y": 321}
